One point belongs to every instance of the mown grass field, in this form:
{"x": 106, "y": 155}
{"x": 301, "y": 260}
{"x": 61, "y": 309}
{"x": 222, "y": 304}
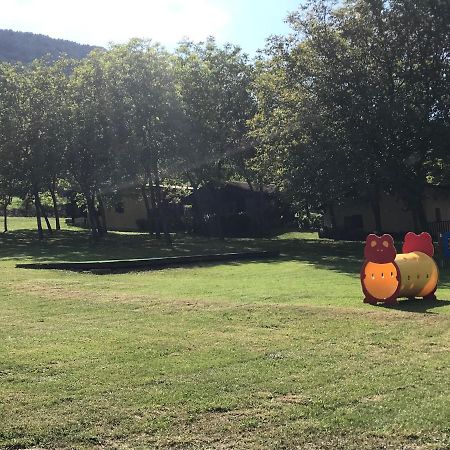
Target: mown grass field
{"x": 277, "y": 354}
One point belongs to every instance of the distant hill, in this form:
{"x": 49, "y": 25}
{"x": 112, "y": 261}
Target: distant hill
{"x": 17, "y": 46}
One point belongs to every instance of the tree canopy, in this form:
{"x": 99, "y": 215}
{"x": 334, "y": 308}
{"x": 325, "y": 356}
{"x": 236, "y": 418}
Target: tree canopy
{"x": 353, "y": 103}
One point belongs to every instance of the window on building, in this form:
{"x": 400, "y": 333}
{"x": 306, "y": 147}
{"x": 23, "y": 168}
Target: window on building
{"x": 355, "y": 221}
{"x": 120, "y": 208}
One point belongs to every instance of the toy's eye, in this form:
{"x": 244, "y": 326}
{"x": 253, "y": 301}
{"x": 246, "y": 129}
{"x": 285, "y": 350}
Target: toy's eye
{"x": 373, "y": 243}
{"x": 385, "y": 244}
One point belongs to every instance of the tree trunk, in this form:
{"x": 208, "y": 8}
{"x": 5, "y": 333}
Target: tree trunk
{"x": 55, "y": 208}
{"x": 92, "y": 216}
{"x": 332, "y": 217}
{"x": 27, "y": 207}
{"x": 196, "y": 213}
{"x": 218, "y": 210}
{"x": 415, "y": 220}
{"x": 375, "y": 204}
{"x": 415, "y": 205}
{"x": 37, "y": 204}
{"x": 73, "y": 209}
{"x": 155, "y": 207}
{"x": 5, "y": 217}
{"x": 165, "y": 225}
{"x": 147, "y": 209}
{"x": 162, "y": 211}
{"x": 421, "y": 214}
{"x": 262, "y": 224}
{"x": 308, "y": 212}
{"x": 47, "y": 222}
{"x": 104, "y": 227}
{"x": 43, "y": 214}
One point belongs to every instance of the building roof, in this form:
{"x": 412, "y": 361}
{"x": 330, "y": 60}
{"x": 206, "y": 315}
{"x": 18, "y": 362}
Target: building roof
{"x": 267, "y": 188}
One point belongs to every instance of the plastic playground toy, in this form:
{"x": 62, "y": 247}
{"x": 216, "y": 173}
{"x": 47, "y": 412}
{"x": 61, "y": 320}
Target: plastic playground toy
{"x": 386, "y": 275}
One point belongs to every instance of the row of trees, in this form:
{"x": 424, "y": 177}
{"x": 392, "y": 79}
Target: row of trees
{"x": 357, "y": 101}
{"x": 134, "y": 115}
{"x": 354, "y": 102}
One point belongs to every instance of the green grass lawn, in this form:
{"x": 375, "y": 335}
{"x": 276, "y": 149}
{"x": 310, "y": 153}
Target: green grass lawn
{"x": 278, "y": 354}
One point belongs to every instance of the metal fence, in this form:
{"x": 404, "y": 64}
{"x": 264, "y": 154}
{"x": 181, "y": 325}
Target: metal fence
{"x": 437, "y": 229}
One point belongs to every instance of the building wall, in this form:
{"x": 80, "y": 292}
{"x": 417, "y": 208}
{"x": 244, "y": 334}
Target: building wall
{"x": 395, "y": 217}
{"x": 354, "y": 208}
{"x": 437, "y": 198}
{"x": 133, "y": 210}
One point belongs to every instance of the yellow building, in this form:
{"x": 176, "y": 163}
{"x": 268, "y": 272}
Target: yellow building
{"x": 128, "y": 214}
{"x": 355, "y": 218}
{"x": 127, "y": 211}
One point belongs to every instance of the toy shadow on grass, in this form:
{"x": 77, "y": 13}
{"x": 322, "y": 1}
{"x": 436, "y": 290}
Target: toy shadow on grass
{"x": 417, "y": 305}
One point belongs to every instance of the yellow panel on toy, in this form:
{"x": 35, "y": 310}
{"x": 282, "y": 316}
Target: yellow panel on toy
{"x": 386, "y": 275}
{"x": 419, "y": 274}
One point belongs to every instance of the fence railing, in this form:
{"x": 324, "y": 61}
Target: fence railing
{"x": 437, "y": 229}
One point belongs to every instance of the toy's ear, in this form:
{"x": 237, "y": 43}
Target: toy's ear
{"x": 387, "y": 241}
{"x": 372, "y": 240}
{"x": 418, "y": 243}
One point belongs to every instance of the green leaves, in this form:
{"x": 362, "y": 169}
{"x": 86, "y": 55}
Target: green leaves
{"x": 216, "y": 93}
{"x": 356, "y": 100}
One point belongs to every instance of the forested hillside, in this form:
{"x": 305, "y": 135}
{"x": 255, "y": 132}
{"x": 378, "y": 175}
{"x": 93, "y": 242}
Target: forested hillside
{"x": 24, "y": 47}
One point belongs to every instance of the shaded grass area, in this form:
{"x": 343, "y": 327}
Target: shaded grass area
{"x": 72, "y": 244}
{"x": 270, "y": 354}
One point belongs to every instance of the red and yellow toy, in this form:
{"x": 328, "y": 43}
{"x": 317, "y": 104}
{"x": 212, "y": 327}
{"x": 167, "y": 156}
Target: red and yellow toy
{"x": 386, "y": 275}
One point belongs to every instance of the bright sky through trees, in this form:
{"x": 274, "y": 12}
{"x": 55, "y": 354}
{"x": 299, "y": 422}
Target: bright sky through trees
{"x": 97, "y": 22}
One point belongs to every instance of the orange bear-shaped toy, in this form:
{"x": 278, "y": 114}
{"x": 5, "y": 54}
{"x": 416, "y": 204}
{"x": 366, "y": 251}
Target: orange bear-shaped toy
{"x": 386, "y": 275}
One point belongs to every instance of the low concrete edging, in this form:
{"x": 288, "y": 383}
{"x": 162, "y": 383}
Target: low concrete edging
{"x": 150, "y": 263}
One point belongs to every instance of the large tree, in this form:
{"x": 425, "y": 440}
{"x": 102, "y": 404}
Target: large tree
{"x": 9, "y": 155}
{"x": 146, "y": 118}
{"x": 216, "y": 91}
{"x": 90, "y": 155}
{"x": 360, "y": 100}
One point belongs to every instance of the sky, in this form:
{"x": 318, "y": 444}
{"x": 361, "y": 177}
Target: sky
{"x": 98, "y": 22}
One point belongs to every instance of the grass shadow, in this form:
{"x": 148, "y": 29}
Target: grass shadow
{"x": 340, "y": 256}
{"x": 74, "y": 245}
{"x": 417, "y": 305}
{"x": 71, "y": 245}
